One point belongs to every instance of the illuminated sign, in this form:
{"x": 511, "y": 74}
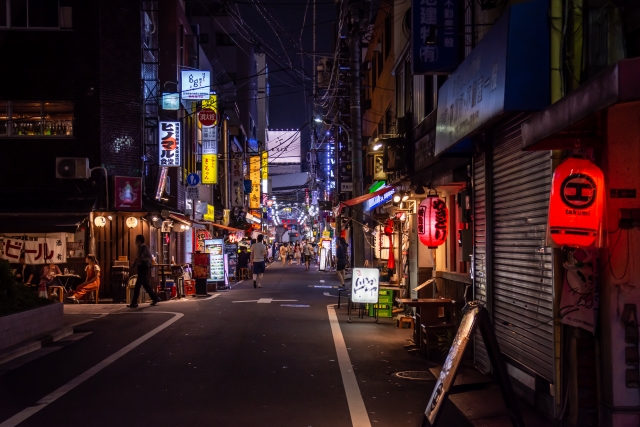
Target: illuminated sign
{"x": 378, "y": 200}
{"x": 169, "y": 144}
{"x": 209, "y": 215}
{"x": 170, "y": 101}
{"x": 254, "y": 176}
{"x": 365, "y": 285}
{"x": 195, "y": 84}
{"x": 209, "y": 168}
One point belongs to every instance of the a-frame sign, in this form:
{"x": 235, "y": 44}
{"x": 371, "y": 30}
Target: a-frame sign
{"x": 475, "y": 315}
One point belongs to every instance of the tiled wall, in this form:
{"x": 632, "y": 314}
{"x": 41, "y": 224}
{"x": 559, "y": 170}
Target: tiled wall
{"x": 19, "y": 327}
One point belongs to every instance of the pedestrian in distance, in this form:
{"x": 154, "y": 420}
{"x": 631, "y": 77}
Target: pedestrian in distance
{"x": 290, "y": 251}
{"x": 341, "y": 259}
{"x": 296, "y": 254}
{"x": 308, "y": 251}
{"x": 243, "y": 262}
{"x": 91, "y": 283}
{"x": 283, "y": 254}
{"x": 258, "y": 257}
{"x": 143, "y": 262}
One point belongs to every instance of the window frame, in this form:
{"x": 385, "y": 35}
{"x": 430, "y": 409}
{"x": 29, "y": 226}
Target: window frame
{"x": 8, "y": 25}
{"x": 10, "y": 120}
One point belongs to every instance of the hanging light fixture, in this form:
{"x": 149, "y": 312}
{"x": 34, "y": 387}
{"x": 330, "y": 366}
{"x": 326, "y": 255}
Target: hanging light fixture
{"x": 132, "y": 222}
{"x": 432, "y": 221}
{"x": 100, "y": 221}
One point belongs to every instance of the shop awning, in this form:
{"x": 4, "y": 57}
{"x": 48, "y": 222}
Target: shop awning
{"x": 577, "y": 119}
{"x": 365, "y": 197}
{"x": 180, "y": 218}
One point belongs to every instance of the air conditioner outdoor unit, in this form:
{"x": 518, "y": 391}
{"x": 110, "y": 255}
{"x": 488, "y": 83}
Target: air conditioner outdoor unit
{"x": 72, "y": 168}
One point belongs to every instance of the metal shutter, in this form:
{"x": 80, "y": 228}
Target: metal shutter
{"x": 522, "y": 297}
{"x": 479, "y": 254}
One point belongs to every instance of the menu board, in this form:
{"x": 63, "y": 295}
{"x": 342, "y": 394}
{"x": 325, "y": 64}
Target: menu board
{"x": 200, "y": 266}
{"x": 231, "y": 259}
{"x": 365, "y": 285}
{"x": 325, "y": 252}
{"x": 214, "y": 248}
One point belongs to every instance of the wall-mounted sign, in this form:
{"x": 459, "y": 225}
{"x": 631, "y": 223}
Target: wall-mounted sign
{"x": 365, "y": 285}
{"x": 207, "y": 117}
{"x": 254, "y": 176}
{"x": 169, "y": 144}
{"x": 193, "y": 192}
{"x": 237, "y": 183}
{"x": 252, "y": 218}
{"x": 346, "y": 187}
{"x": 210, "y": 140}
{"x": 170, "y": 101}
{"x": 378, "y": 200}
{"x": 209, "y": 168}
{"x": 39, "y": 251}
{"x": 195, "y": 84}
{"x": 209, "y": 215}
{"x": 435, "y": 36}
{"x": 128, "y": 193}
{"x": 264, "y": 165}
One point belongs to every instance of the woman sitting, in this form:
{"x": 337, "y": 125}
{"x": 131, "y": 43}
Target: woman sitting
{"x": 92, "y": 282}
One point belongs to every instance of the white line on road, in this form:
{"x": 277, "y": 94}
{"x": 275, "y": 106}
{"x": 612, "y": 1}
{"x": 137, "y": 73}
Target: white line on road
{"x": 358, "y": 411}
{"x": 265, "y": 301}
{"x": 327, "y": 294}
{"x": 321, "y": 281}
{"x": 45, "y": 401}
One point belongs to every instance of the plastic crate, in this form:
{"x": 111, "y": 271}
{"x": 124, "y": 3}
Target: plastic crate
{"x": 382, "y": 308}
{"x": 385, "y": 299}
{"x": 382, "y": 292}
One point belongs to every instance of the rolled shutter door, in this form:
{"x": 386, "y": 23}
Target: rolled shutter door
{"x": 480, "y": 250}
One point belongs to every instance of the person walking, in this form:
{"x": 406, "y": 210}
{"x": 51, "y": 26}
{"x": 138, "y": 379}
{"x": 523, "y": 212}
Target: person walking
{"x": 290, "y": 251}
{"x": 296, "y": 254}
{"x": 258, "y": 257}
{"x": 143, "y": 262}
{"x": 341, "y": 259}
{"x": 283, "y": 254}
{"x": 91, "y": 283}
{"x": 308, "y": 251}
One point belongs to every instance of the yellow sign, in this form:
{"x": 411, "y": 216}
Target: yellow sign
{"x": 209, "y": 168}
{"x": 209, "y": 215}
{"x": 264, "y": 165}
{"x": 326, "y": 234}
{"x": 226, "y": 215}
{"x": 254, "y": 176}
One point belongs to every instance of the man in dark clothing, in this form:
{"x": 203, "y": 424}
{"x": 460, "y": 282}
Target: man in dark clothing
{"x": 143, "y": 262}
{"x": 243, "y": 261}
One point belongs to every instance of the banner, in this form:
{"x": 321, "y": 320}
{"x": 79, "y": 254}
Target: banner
{"x": 264, "y": 165}
{"x": 209, "y": 168}
{"x": 237, "y": 181}
{"x": 434, "y": 31}
{"x": 128, "y": 193}
{"x": 40, "y": 251}
{"x": 254, "y": 176}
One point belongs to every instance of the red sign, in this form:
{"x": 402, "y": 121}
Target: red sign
{"x": 577, "y": 203}
{"x": 207, "y": 117}
{"x": 128, "y": 193}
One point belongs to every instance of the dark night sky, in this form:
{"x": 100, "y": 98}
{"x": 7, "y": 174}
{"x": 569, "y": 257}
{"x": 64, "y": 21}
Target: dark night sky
{"x": 289, "y": 104}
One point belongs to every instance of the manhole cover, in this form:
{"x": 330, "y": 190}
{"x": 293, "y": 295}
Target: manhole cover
{"x": 415, "y": 375}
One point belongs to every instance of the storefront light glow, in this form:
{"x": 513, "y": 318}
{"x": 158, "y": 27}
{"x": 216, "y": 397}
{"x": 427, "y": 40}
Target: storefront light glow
{"x": 432, "y": 221}
{"x": 100, "y": 221}
{"x": 132, "y": 222}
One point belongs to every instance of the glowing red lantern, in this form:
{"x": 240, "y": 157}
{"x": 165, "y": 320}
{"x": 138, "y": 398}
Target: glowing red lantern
{"x": 432, "y": 221}
{"x": 576, "y": 204}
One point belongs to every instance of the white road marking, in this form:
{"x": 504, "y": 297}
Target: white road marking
{"x": 358, "y": 411}
{"x": 265, "y": 301}
{"x": 47, "y": 400}
{"x": 327, "y": 294}
{"x": 321, "y": 281}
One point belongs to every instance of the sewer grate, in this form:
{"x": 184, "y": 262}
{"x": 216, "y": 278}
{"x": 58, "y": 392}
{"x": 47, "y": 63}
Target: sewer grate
{"x": 415, "y": 375}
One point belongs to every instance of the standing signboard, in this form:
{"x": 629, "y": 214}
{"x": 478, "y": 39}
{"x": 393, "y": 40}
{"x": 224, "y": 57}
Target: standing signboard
{"x": 214, "y": 248}
{"x": 365, "y": 285}
{"x": 434, "y": 36}
{"x": 169, "y": 144}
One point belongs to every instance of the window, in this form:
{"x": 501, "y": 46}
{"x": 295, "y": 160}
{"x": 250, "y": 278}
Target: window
{"x": 36, "y": 118}
{"x": 29, "y": 13}
{"x": 223, "y": 39}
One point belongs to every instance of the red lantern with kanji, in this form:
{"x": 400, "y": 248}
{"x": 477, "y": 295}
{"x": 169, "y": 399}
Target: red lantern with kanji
{"x": 576, "y": 205}
{"x": 432, "y": 221}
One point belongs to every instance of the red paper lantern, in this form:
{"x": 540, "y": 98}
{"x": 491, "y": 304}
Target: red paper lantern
{"x": 432, "y": 221}
{"x": 576, "y": 204}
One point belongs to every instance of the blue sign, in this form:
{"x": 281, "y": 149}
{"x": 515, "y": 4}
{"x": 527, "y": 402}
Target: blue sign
{"x": 378, "y": 200}
{"x": 193, "y": 179}
{"x": 508, "y": 71}
{"x": 170, "y": 101}
{"x": 434, "y": 36}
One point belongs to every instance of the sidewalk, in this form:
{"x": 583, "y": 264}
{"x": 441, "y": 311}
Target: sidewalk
{"x": 378, "y": 352}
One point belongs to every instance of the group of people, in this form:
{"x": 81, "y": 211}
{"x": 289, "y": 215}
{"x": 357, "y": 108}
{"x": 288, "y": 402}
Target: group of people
{"x": 295, "y": 252}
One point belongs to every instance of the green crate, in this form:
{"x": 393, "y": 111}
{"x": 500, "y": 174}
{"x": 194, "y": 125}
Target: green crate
{"x": 384, "y": 292}
{"x": 385, "y": 300}
{"x": 385, "y": 313}
{"x": 381, "y": 308}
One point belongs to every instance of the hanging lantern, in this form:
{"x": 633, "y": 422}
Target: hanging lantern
{"x": 576, "y": 204}
{"x": 388, "y": 231}
{"x": 432, "y": 221}
{"x": 132, "y": 222}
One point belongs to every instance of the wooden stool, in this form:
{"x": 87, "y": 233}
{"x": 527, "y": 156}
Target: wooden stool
{"x": 59, "y": 290}
{"x": 402, "y": 320}
{"x": 244, "y": 273}
{"x": 95, "y": 296}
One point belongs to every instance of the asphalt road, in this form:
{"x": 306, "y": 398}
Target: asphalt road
{"x": 243, "y": 357}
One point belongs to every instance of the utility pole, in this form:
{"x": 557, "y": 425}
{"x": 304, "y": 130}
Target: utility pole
{"x": 355, "y": 57}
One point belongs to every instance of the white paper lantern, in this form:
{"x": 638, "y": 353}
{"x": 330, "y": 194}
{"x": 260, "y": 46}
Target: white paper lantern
{"x": 132, "y": 222}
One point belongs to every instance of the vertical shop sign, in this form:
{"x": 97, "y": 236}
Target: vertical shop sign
{"x": 264, "y": 165}
{"x": 209, "y": 215}
{"x": 434, "y": 36}
{"x": 209, "y": 169}
{"x": 169, "y": 144}
{"x": 254, "y": 176}
{"x": 237, "y": 181}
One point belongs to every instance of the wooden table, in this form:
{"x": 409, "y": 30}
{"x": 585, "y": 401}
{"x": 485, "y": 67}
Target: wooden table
{"x": 430, "y": 307}
{"x": 163, "y": 275}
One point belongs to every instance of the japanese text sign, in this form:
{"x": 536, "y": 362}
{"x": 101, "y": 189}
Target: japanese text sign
{"x": 254, "y": 176}
{"x": 195, "y": 84}
{"x": 264, "y": 165}
{"x": 237, "y": 181}
{"x": 365, "y": 285}
{"x": 209, "y": 169}
{"x": 169, "y": 144}
{"x": 434, "y": 36}
{"x": 38, "y": 251}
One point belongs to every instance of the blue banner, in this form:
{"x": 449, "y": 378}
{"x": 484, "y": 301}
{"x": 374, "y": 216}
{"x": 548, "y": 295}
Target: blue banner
{"x": 434, "y": 38}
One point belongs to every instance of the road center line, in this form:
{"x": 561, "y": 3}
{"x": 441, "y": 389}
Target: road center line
{"x": 358, "y": 411}
{"x": 45, "y": 401}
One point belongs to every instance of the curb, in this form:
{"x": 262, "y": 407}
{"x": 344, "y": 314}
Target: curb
{"x": 28, "y": 346}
